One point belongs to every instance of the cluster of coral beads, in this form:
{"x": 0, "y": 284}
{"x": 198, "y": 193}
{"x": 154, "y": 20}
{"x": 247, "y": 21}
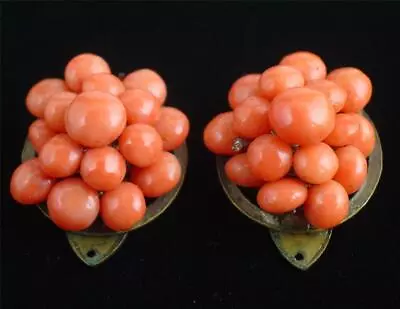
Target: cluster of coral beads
{"x": 103, "y": 145}
{"x": 307, "y": 141}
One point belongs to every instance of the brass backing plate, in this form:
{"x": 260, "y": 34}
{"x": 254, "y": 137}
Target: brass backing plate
{"x": 301, "y": 249}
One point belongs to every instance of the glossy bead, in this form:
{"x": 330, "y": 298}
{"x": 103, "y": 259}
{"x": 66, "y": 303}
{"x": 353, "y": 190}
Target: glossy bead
{"x": 103, "y": 168}
{"x": 346, "y": 128}
{"x": 54, "y": 113}
{"x": 357, "y": 85}
{"x": 73, "y": 205}
{"x": 60, "y": 157}
{"x": 218, "y": 135}
{"x": 315, "y": 164}
{"x": 238, "y": 171}
{"x": 365, "y": 139}
{"x": 282, "y": 196}
{"x": 302, "y": 116}
{"x": 310, "y": 65}
{"x": 39, "y": 134}
{"x": 104, "y": 82}
{"x": 123, "y": 207}
{"x": 327, "y": 205}
{"x": 147, "y": 80}
{"x": 38, "y": 95}
{"x": 335, "y": 94}
{"x": 159, "y": 178}
{"x": 269, "y": 157}
{"x": 140, "y": 144}
{"x": 173, "y": 127}
{"x": 81, "y": 67}
{"x": 95, "y": 119}
{"x": 353, "y": 168}
{"x": 243, "y": 88}
{"x": 250, "y": 118}
{"x": 141, "y": 106}
{"x": 277, "y": 79}
{"x": 29, "y": 185}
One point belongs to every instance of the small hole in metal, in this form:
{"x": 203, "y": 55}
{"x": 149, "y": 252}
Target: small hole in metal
{"x": 299, "y": 257}
{"x": 91, "y": 253}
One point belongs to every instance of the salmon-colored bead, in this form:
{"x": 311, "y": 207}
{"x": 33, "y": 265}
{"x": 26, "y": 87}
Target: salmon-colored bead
{"x": 159, "y": 178}
{"x": 346, "y": 129}
{"x": 140, "y": 144}
{"x": 95, "y": 119}
{"x": 310, "y": 65}
{"x": 60, "y": 157}
{"x": 365, "y": 139}
{"x": 353, "y": 168}
{"x": 302, "y": 116}
{"x": 54, "y": 113}
{"x": 243, "y": 88}
{"x": 238, "y": 171}
{"x": 357, "y": 85}
{"x": 147, "y": 80}
{"x": 327, "y": 205}
{"x": 38, "y": 95}
{"x": 335, "y": 94}
{"x": 282, "y": 196}
{"x": 269, "y": 157}
{"x": 219, "y": 135}
{"x": 277, "y": 79}
{"x": 315, "y": 164}
{"x": 29, "y": 185}
{"x": 250, "y": 119}
{"x": 83, "y": 66}
{"x": 104, "y": 82}
{"x": 173, "y": 127}
{"x": 39, "y": 134}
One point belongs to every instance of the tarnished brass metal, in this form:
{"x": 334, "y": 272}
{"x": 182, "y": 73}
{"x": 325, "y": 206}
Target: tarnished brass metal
{"x": 293, "y": 225}
{"x": 101, "y": 242}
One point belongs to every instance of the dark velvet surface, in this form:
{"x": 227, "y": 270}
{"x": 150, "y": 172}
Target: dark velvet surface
{"x": 202, "y": 252}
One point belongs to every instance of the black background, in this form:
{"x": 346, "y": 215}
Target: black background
{"x": 202, "y": 253}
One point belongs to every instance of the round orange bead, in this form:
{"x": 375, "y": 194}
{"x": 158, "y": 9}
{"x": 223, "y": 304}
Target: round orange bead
{"x": 310, "y": 65}
{"x": 83, "y": 66}
{"x": 95, "y": 119}
{"x": 103, "y": 168}
{"x": 54, "y": 113}
{"x": 141, "y": 106}
{"x": 327, "y": 205}
{"x": 73, "y": 205}
{"x": 238, "y": 171}
{"x": 315, "y": 164}
{"x": 243, "y": 88}
{"x": 277, "y": 79}
{"x": 141, "y": 145}
{"x": 147, "y": 80}
{"x": 173, "y": 127}
{"x": 219, "y": 135}
{"x": 282, "y": 196}
{"x": 29, "y": 185}
{"x": 352, "y": 170}
{"x": 37, "y": 97}
{"x": 269, "y": 157}
{"x": 346, "y": 128}
{"x": 159, "y": 178}
{"x": 103, "y": 82}
{"x": 302, "y": 116}
{"x": 39, "y": 134}
{"x": 335, "y": 94}
{"x": 365, "y": 138}
{"x": 250, "y": 118}
{"x": 60, "y": 157}
{"x": 122, "y": 207}
{"x": 357, "y": 85}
